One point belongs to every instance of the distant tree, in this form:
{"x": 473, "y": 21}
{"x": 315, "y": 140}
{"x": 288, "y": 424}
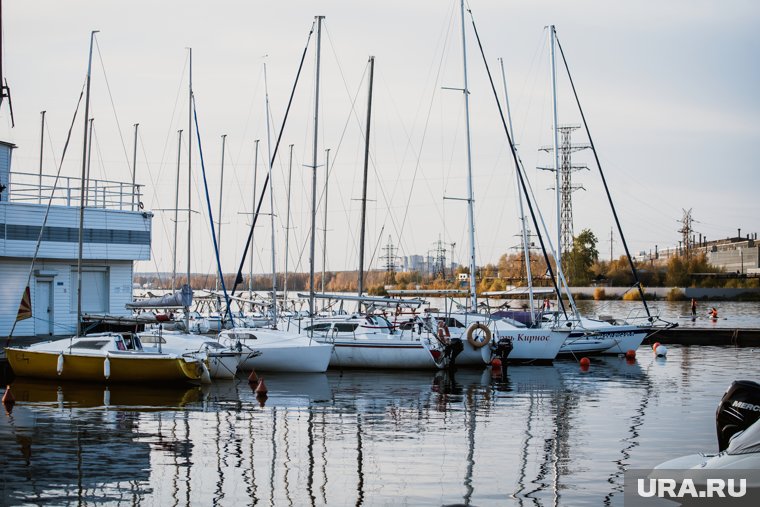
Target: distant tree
{"x": 581, "y": 258}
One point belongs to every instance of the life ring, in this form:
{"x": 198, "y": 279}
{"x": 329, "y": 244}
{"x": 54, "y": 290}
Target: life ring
{"x": 471, "y": 332}
{"x": 443, "y": 330}
{"x": 398, "y": 311}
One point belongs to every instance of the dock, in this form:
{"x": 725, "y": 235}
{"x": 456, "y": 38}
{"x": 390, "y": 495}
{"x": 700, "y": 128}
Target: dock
{"x": 737, "y": 337}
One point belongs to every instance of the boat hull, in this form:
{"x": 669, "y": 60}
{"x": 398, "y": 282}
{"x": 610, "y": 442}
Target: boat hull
{"x": 307, "y": 359}
{"x": 530, "y": 345}
{"x": 90, "y": 368}
{"x": 223, "y": 365}
{"x": 382, "y": 354}
{"x": 625, "y": 339}
{"x": 586, "y": 345}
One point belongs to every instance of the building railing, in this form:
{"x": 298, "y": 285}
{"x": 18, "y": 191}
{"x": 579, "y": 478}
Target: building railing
{"x": 39, "y": 189}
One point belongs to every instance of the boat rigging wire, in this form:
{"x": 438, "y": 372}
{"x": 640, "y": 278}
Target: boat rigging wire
{"x": 517, "y": 165}
{"x": 113, "y": 106}
{"x": 239, "y": 275}
{"x": 604, "y": 181}
{"x": 210, "y": 213}
{"x": 50, "y": 203}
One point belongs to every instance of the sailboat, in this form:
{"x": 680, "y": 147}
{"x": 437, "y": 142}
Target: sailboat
{"x": 280, "y": 350}
{"x": 524, "y": 344}
{"x": 115, "y": 357}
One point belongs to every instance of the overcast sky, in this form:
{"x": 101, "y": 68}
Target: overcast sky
{"x": 669, "y": 90}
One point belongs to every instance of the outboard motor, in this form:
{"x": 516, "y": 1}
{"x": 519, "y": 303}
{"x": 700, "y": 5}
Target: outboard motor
{"x": 452, "y": 350}
{"x": 503, "y": 348}
{"x": 738, "y": 410}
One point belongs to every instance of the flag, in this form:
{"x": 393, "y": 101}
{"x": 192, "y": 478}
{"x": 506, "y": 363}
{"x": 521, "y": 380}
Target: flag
{"x": 25, "y": 308}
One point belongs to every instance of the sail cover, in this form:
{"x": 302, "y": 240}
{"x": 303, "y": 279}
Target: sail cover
{"x": 180, "y": 298}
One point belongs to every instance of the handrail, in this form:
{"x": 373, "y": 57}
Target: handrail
{"x": 67, "y": 191}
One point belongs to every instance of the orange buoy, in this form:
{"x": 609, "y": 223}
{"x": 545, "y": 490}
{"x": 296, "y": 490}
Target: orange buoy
{"x": 655, "y": 345}
{"x": 253, "y": 378}
{"x": 261, "y": 388}
{"x": 630, "y": 354}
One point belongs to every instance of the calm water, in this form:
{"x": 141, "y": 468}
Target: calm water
{"x": 550, "y": 435}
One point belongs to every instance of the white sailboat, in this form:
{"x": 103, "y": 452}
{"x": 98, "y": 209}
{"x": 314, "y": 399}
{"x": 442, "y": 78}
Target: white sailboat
{"x": 280, "y": 350}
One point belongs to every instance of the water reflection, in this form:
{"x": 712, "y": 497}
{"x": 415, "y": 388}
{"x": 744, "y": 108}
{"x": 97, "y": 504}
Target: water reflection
{"x": 547, "y": 435}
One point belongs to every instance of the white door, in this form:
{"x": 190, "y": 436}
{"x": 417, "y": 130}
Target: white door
{"x": 43, "y": 308}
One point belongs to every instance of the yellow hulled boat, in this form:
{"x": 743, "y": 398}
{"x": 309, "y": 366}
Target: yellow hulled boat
{"x": 106, "y": 357}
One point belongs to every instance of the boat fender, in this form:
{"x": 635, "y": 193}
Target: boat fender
{"x": 661, "y": 351}
{"x": 205, "y": 375}
{"x": 107, "y": 368}
{"x": 59, "y": 367}
{"x": 471, "y": 335}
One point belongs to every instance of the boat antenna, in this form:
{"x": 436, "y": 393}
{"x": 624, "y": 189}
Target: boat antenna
{"x": 83, "y": 190}
{"x": 364, "y": 181}
{"x": 517, "y": 165}
{"x": 239, "y": 275}
{"x": 604, "y": 182}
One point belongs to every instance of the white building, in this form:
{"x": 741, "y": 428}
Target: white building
{"x": 116, "y": 233}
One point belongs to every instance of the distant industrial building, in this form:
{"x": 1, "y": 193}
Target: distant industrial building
{"x": 739, "y": 254}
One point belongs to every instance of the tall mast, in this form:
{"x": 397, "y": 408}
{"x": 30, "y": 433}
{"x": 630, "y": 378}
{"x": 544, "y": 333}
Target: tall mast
{"x": 221, "y": 196}
{"x": 470, "y": 200}
{"x": 134, "y": 169}
{"x": 287, "y": 229}
{"x": 364, "y": 181}
{"x": 253, "y": 213}
{"x": 314, "y": 171}
{"x": 89, "y": 161}
{"x": 189, "y": 175}
{"x": 83, "y": 197}
{"x": 525, "y": 244}
{"x": 271, "y": 201}
{"x": 176, "y": 211}
{"x": 324, "y": 230}
{"x": 42, "y": 143}
{"x": 555, "y": 138}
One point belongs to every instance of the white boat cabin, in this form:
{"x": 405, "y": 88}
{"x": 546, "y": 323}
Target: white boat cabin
{"x": 116, "y": 233}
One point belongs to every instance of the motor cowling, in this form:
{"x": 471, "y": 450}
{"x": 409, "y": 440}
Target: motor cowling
{"x": 738, "y": 410}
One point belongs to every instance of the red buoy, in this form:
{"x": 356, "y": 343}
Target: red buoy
{"x": 261, "y": 388}
{"x": 8, "y": 396}
{"x": 253, "y": 378}
{"x": 585, "y": 363}
{"x": 261, "y": 398}
{"x": 630, "y": 354}
{"x": 8, "y": 399}
{"x": 496, "y": 363}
